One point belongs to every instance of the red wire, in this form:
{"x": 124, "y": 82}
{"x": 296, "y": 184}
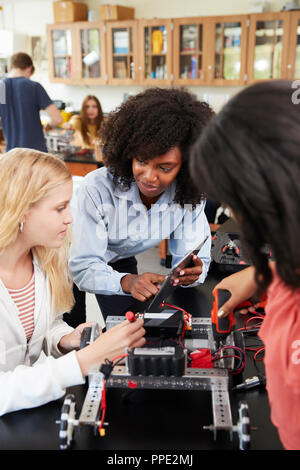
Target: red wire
{"x": 103, "y": 394}
{"x": 233, "y": 371}
{"x": 215, "y": 358}
{"x": 103, "y": 405}
{"x": 119, "y": 357}
{"x": 163, "y": 304}
{"x": 252, "y": 318}
{"x": 259, "y": 349}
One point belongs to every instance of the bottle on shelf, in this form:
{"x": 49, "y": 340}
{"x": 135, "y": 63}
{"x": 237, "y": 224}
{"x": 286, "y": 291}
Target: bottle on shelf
{"x": 193, "y": 67}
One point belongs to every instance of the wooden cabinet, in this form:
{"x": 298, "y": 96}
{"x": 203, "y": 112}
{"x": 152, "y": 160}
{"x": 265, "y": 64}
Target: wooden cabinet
{"x": 211, "y": 50}
{"x": 122, "y": 52}
{"x": 221, "y": 50}
{"x": 77, "y": 53}
{"x": 155, "y": 64}
{"x": 268, "y": 46}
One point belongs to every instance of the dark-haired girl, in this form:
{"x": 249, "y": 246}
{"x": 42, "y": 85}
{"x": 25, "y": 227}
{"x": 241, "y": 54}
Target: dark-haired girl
{"x": 248, "y": 158}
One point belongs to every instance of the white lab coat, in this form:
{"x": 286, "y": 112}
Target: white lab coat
{"x": 23, "y": 382}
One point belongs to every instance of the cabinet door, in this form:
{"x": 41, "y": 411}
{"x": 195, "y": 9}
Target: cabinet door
{"x": 191, "y": 48}
{"x": 293, "y": 67}
{"x": 122, "y": 44}
{"x": 90, "y": 53}
{"x": 268, "y": 46}
{"x": 227, "y": 60}
{"x": 155, "y": 37}
{"x": 61, "y": 40}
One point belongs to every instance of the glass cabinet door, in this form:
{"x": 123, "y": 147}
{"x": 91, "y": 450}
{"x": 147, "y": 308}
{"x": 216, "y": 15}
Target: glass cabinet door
{"x": 122, "y": 50}
{"x": 190, "y": 49}
{"x": 293, "y": 67}
{"x": 297, "y": 52}
{"x": 268, "y": 49}
{"x": 62, "y": 61}
{"x": 156, "y": 51}
{"x": 228, "y": 50}
{"x": 91, "y": 52}
{"x": 268, "y": 46}
{"x": 228, "y": 57}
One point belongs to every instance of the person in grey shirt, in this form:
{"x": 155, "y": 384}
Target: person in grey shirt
{"x": 143, "y": 195}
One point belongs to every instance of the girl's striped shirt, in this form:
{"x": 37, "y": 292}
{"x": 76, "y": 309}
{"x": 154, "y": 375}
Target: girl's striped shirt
{"x": 25, "y": 299}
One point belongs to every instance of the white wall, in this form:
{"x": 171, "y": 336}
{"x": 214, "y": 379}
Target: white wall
{"x": 31, "y": 16}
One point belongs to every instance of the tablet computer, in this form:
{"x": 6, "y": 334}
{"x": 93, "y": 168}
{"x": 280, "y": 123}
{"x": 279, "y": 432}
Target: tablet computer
{"x": 167, "y": 287}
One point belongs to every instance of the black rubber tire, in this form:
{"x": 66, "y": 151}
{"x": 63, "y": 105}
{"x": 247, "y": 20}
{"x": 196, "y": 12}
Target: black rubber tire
{"x": 64, "y": 439}
{"x": 244, "y": 425}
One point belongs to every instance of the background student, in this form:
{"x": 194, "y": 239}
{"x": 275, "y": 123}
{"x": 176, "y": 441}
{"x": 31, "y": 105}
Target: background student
{"x": 143, "y": 195}
{"x": 248, "y": 158}
{"x": 24, "y": 99}
{"x": 87, "y": 124}
{"x": 36, "y": 287}
{"x": 87, "y": 127}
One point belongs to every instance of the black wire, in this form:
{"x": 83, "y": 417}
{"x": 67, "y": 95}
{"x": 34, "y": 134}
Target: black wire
{"x": 118, "y": 361}
{"x": 256, "y": 342}
{"x": 242, "y": 357}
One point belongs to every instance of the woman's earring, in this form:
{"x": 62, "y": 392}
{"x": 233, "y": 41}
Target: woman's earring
{"x": 21, "y": 226}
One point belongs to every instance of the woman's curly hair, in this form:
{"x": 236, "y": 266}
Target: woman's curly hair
{"x": 150, "y": 124}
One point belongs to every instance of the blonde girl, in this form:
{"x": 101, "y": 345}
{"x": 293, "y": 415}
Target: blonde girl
{"x": 36, "y": 286}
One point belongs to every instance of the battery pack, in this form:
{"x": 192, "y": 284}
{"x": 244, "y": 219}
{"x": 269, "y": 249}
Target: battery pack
{"x": 163, "y": 325}
{"x": 165, "y": 360}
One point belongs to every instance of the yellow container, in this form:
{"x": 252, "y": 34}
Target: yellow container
{"x": 65, "y": 115}
{"x": 157, "y": 41}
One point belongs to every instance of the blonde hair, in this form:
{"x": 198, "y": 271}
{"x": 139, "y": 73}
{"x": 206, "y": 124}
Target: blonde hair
{"x": 25, "y": 177}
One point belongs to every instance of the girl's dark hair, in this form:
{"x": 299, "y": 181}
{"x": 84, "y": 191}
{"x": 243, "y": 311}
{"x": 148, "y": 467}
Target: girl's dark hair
{"x": 249, "y": 159}
{"x": 149, "y": 124}
{"x": 85, "y": 121}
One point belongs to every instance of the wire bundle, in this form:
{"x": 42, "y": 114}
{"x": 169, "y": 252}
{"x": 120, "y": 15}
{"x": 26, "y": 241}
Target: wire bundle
{"x": 187, "y": 317}
{"x": 233, "y": 352}
{"x": 258, "y": 350}
{"x": 187, "y": 320}
{"x": 106, "y": 369}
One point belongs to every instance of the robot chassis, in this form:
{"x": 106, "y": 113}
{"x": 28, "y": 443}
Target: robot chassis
{"x": 215, "y": 380}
